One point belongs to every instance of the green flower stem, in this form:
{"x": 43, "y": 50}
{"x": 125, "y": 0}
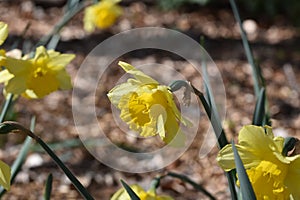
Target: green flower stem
{"x": 10, "y": 126}
{"x": 156, "y": 181}
{"x": 16, "y": 166}
{"x": 222, "y": 140}
{"x": 57, "y": 28}
{"x": 18, "y": 162}
{"x": 6, "y": 105}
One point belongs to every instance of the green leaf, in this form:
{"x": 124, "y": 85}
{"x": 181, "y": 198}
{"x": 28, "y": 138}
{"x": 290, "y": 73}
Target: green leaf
{"x": 255, "y": 71}
{"x": 131, "y": 193}
{"x": 5, "y": 175}
{"x": 245, "y": 185}
{"x": 259, "y": 112}
{"x": 48, "y": 187}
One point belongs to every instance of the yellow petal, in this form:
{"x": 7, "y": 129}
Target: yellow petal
{"x": 140, "y": 76}
{"x": 40, "y": 51}
{"x": 279, "y": 142}
{"x": 293, "y": 177}
{"x": 5, "y": 76}
{"x": 88, "y": 19}
{"x": 17, "y": 66}
{"x": 30, "y": 94}
{"x": 173, "y": 106}
{"x": 52, "y": 53}
{"x": 255, "y": 140}
{"x": 118, "y": 91}
{"x": 59, "y": 62}
{"x": 225, "y": 157}
{"x": 64, "y": 80}
{"x": 121, "y": 194}
{"x": 2, "y": 57}
{"x": 5, "y": 175}
{"x": 161, "y": 126}
{"x": 16, "y": 85}
{"x": 3, "y": 32}
{"x": 175, "y": 137}
{"x": 158, "y": 117}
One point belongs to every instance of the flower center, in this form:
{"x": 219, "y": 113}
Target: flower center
{"x": 39, "y": 72}
{"x": 268, "y": 180}
{"x": 139, "y": 105}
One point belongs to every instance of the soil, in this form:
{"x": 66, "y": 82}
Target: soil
{"x": 275, "y": 46}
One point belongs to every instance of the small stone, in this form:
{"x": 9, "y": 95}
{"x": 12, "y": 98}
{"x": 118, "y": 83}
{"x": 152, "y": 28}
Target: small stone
{"x": 33, "y": 160}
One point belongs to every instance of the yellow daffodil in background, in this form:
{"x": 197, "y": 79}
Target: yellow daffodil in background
{"x": 3, "y": 36}
{"x": 101, "y": 15}
{"x": 3, "y": 32}
{"x": 38, "y": 76}
{"x": 273, "y": 176}
{"x": 5, "y": 174}
{"x": 148, "y": 107}
{"x": 138, "y": 190}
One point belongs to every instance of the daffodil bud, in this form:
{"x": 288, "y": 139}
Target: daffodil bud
{"x": 288, "y": 145}
{"x": 178, "y": 84}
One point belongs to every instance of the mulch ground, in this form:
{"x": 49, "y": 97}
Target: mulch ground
{"x": 275, "y": 46}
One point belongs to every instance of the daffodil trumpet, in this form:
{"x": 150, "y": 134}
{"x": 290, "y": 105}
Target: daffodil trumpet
{"x": 148, "y": 107}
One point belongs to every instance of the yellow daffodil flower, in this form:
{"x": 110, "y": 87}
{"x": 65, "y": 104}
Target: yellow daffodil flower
{"x": 3, "y": 32}
{"x": 101, "y": 15}
{"x": 3, "y": 36}
{"x": 5, "y": 174}
{"x": 138, "y": 190}
{"x": 38, "y": 76}
{"x": 273, "y": 176}
{"x": 148, "y": 107}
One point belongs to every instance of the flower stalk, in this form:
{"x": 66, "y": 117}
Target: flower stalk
{"x": 6, "y": 106}
{"x": 15, "y": 127}
{"x": 155, "y": 183}
{"x": 57, "y": 28}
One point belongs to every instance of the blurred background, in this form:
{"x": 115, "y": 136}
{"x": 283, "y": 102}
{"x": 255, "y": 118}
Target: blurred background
{"x": 272, "y": 27}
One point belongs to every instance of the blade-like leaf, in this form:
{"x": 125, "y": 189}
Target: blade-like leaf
{"x": 245, "y": 184}
{"x": 131, "y": 193}
{"x": 209, "y": 104}
{"x": 48, "y": 187}
{"x": 250, "y": 58}
{"x": 259, "y": 112}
